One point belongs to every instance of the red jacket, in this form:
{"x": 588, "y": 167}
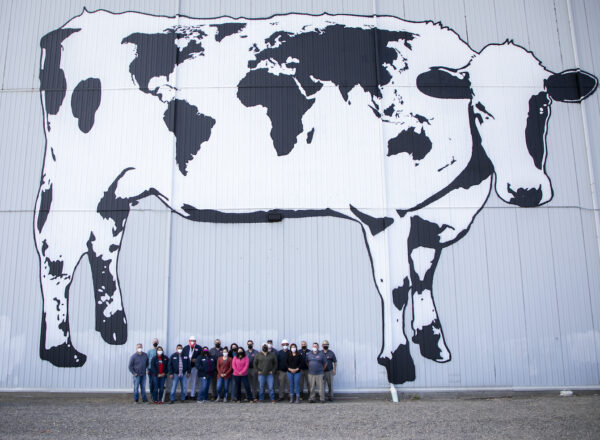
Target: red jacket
{"x": 224, "y": 367}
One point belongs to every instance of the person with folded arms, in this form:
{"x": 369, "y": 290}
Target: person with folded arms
{"x": 179, "y": 369}
{"x": 159, "y": 367}
{"x": 293, "y": 363}
{"x": 224, "y": 372}
{"x": 240, "y": 376}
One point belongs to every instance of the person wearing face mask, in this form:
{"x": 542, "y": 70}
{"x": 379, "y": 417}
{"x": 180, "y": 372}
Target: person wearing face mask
{"x": 282, "y": 376}
{"x": 293, "y": 363}
{"x": 240, "y": 365}
{"x": 224, "y": 372}
{"x": 179, "y": 370}
{"x": 265, "y": 364}
{"x": 316, "y": 366}
{"x": 304, "y": 368}
{"x": 205, "y": 366}
{"x": 151, "y": 353}
{"x": 233, "y": 348}
{"x": 159, "y": 367}
{"x": 192, "y": 351}
{"x": 276, "y": 375}
{"x": 252, "y": 375}
{"x": 215, "y": 353}
{"x": 330, "y": 369}
{"x": 138, "y": 363}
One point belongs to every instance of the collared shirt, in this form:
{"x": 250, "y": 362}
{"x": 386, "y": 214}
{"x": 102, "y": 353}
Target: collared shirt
{"x": 331, "y": 359}
{"x": 316, "y": 362}
{"x": 251, "y": 354}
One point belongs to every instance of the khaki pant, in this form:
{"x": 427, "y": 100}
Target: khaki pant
{"x": 316, "y": 380}
{"x": 284, "y": 383}
{"x": 253, "y": 379}
{"x": 303, "y": 380}
{"x": 328, "y": 379}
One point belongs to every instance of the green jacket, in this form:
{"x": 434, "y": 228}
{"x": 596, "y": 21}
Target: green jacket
{"x": 264, "y": 365}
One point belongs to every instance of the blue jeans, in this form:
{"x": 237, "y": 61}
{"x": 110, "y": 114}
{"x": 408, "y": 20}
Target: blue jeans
{"x": 204, "y": 385}
{"x": 220, "y": 382}
{"x": 139, "y": 382}
{"x": 181, "y": 380}
{"x": 294, "y": 379}
{"x": 237, "y": 387}
{"x": 268, "y": 379}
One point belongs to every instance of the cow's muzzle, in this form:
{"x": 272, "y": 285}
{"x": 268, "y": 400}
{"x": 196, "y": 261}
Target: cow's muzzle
{"x": 525, "y": 196}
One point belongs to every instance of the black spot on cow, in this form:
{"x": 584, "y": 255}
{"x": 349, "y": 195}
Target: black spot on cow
{"x": 85, "y": 101}
{"x": 439, "y": 82}
{"x": 44, "y": 247}
{"x": 525, "y": 197}
{"x": 55, "y": 267}
{"x": 400, "y": 294}
{"x": 45, "y": 202}
{"x": 421, "y": 119}
{"x": 212, "y": 216}
{"x": 113, "y": 247}
{"x": 340, "y": 54}
{"x": 389, "y": 111}
{"x": 428, "y": 337}
{"x": 190, "y": 127}
{"x": 400, "y": 368}
{"x": 309, "y": 136}
{"x": 226, "y": 29}
{"x": 113, "y": 207}
{"x": 284, "y": 102}
{"x": 535, "y": 131}
{"x": 52, "y": 77}
{"x": 158, "y": 54}
{"x": 375, "y": 225}
{"x": 418, "y": 145}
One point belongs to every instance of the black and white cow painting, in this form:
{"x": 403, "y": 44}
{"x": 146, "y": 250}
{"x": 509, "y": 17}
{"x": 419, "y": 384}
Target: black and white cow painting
{"x": 368, "y": 118}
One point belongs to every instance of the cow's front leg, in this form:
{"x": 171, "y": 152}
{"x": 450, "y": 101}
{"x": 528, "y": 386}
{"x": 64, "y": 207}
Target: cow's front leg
{"x": 103, "y": 246}
{"x": 424, "y": 252}
{"x": 387, "y": 249}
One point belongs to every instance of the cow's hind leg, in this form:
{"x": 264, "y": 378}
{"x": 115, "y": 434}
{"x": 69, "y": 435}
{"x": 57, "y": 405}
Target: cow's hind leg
{"x": 424, "y": 252}
{"x": 60, "y": 240}
{"x": 389, "y": 259}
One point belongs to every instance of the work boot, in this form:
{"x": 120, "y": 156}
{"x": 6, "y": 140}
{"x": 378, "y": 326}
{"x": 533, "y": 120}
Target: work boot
{"x": 298, "y": 398}
{"x": 291, "y": 399}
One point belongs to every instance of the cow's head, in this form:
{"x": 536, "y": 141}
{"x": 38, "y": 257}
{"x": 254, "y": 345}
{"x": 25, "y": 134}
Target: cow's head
{"x": 511, "y": 93}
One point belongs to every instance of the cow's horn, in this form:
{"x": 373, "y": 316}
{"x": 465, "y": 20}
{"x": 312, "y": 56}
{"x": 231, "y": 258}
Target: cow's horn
{"x": 441, "y": 82}
{"x": 572, "y": 85}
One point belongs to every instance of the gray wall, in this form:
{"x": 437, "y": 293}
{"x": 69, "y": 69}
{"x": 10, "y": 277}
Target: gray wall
{"x": 518, "y": 296}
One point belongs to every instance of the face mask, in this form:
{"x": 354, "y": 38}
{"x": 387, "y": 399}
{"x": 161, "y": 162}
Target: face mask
{"x": 206, "y": 353}
{"x": 179, "y": 350}
{"x": 269, "y": 345}
{"x": 139, "y": 350}
{"x": 240, "y": 354}
{"x": 155, "y": 344}
{"x": 224, "y": 355}
{"x": 265, "y": 349}
{"x": 250, "y": 346}
{"x": 325, "y": 347}
{"x": 293, "y": 349}
{"x": 315, "y": 349}
{"x": 218, "y": 345}
{"x": 159, "y": 352}
{"x": 304, "y": 347}
{"x": 192, "y": 343}
{"x": 285, "y": 347}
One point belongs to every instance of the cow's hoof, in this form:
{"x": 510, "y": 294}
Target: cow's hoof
{"x": 400, "y": 368}
{"x": 431, "y": 343}
{"x": 63, "y": 355}
{"x": 112, "y": 329}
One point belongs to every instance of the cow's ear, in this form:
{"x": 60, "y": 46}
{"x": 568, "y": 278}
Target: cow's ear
{"x": 572, "y": 85}
{"x": 441, "y": 82}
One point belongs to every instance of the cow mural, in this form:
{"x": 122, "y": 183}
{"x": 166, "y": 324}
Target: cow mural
{"x": 397, "y": 125}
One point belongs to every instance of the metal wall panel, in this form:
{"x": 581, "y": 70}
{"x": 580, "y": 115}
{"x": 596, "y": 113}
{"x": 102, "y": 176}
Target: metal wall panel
{"x": 517, "y": 296}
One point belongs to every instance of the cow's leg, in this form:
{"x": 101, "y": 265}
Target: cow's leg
{"x": 60, "y": 240}
{"x": 103, "y": 253}
{"x": 427, "y": 329}
{"x": 389, "y": 260}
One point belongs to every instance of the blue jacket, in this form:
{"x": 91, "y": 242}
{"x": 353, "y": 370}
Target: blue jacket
{"x": 205, "y": 365}
{"x": 174, "y": 363}
{"x": 154, "y": 365}
{"x": 282, "y": 356}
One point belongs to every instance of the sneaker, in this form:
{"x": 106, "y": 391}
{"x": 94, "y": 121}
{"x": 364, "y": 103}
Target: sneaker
{"x": 156, "y": 402}
{"x": 160, "y": 402}
{"x": 272, "y": 401}
{"x": 135, "y": 401}
{"x": 172, "y": 402}
{"x": 218, "y": 399}
{"x": 330, "y": 399}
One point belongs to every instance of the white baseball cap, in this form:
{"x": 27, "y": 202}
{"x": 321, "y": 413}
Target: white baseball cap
{"x": 285, "y": 341}
{"x": 192, "y": 338}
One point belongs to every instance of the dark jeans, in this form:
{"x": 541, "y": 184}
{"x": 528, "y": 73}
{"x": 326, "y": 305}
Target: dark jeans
{"x": 237, "y": 387}
{"x": 204, "y": 385}
{"x": 157, "y": 387}
{"x": 139, "y": 383}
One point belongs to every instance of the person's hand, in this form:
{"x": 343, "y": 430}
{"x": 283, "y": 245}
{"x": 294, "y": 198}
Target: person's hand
{"x": 187, "y": 374}
{"x": 134, "y": 374}
{"x": 334, "y": 372}
{"x": 171, "y": 376}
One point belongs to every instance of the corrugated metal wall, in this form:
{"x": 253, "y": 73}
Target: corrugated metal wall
{"x": 518, "y": 296}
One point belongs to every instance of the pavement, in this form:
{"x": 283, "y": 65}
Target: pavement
{"x": 517, "y": 415}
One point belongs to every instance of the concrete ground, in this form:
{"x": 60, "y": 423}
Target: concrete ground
{"x": 448, "y": 416}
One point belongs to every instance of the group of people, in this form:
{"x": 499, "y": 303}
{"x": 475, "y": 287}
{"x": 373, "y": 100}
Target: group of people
{"x": 221, "y": 371}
